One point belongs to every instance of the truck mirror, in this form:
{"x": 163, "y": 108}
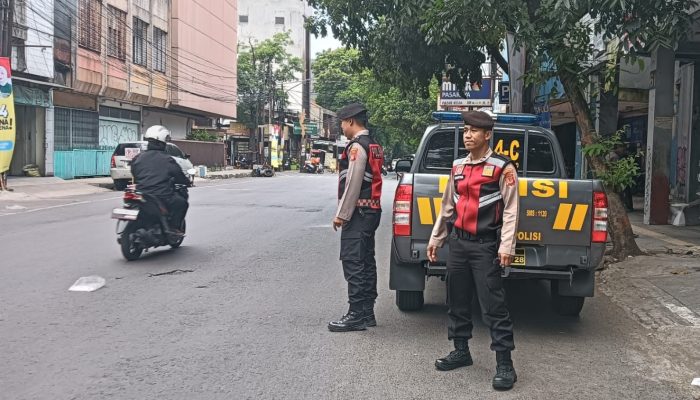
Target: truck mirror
{"x": 403, "y": 166}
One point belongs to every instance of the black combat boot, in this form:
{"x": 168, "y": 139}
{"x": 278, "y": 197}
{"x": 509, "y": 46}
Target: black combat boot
{"x": 459, "y": 357}
{"x": 505, "y": 373}
{"x": 369, "y": 314}
{"x": 354, "y": 320}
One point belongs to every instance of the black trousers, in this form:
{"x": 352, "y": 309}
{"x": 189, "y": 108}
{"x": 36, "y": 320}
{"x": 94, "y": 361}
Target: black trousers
{"x": 177, "y": 207}
{"x": 473, "y": 267}
{"x": 357, "y": 255}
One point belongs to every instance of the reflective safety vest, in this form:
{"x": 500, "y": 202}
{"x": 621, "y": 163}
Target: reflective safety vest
{"x": 478, "y": 200}
{"x": 371, "y": 191}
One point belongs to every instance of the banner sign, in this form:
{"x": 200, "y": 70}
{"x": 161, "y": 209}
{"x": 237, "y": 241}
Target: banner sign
{"x": 478, "y": 95}
{"x": 7, "y": 115}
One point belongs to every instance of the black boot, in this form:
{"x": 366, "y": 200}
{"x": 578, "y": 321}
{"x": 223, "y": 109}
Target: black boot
{"x": 505, "y": 373}
{"x": 459, "y": 357}
{"x": 354, "y": 320}
{"x": 370, "y": 320}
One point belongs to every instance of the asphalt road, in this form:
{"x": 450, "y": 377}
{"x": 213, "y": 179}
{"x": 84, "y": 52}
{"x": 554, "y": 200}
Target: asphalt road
{"x": 249, "y": 320}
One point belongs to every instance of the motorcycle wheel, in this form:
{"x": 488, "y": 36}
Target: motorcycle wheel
{"x": 268, "y": 173}
{"x": 130, "y": 250}
{"x": 178, "y": 242}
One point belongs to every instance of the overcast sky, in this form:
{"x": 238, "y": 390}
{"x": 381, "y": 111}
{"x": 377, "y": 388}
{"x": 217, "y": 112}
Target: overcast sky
{"x": 320, "y": 44}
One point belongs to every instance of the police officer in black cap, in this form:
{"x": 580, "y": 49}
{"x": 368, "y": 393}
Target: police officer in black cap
{"x": 481, "y": 199}
{"x": 358, "y": 215}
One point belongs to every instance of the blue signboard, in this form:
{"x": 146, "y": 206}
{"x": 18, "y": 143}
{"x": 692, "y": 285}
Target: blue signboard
{"x": 478, "y": 95}
{"x": 504, "y": 92}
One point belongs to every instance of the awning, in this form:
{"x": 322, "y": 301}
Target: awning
{"x": 42, "y": 83}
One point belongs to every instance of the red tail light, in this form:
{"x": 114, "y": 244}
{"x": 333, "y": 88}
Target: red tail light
{"x": 403, "y": 205}
{"x": 599, "y": 230}
{"x": 114, "y": 161}
{"x": 132, "y": 196}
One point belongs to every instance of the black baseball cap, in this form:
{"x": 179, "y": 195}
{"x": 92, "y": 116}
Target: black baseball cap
{"x": 351, "y": 110}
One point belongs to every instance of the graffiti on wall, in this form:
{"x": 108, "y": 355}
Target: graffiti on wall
{"x": 112, "y": 133}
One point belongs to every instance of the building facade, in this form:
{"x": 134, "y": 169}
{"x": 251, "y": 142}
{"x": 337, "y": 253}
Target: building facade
{"x": 93, "y": 73}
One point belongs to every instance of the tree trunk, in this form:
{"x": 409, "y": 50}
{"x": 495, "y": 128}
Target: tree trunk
{"x": 619, "y": 225}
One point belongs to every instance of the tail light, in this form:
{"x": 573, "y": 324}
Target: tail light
{"x": 403, "y": 205}
{"x": 114, "y": 161}
{"x": 599, "y": 231}
{"x": 132, "y": 196}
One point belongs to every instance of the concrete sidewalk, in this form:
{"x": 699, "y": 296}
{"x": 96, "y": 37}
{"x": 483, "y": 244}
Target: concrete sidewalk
{"x": 44, "y": 188}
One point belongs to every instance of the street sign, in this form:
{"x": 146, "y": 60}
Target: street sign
{"x": 504, "y": 92}
{"x": 309, "y": 128}
{"x": 477, "y": 95}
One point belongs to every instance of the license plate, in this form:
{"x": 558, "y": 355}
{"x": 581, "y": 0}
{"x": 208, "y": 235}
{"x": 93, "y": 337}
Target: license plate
{"x": 122, "y": 213}
{"x": 519, "y": 259}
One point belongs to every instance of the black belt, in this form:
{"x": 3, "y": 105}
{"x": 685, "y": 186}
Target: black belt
{"x": 464, "y": 235}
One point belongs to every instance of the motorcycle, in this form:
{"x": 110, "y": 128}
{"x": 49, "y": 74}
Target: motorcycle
{"x": 263, "y": 170}
{"x": 143, "y": 222}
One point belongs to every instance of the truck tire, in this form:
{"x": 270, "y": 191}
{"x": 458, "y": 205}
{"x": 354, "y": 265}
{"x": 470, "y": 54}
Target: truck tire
{"x": 409, "y": 300}
{"x": 120, "y": 184}
{"x": 569, "y": 306}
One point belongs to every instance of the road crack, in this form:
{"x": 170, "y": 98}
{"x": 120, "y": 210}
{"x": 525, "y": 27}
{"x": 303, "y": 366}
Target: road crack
{"x": 173, "y": 272}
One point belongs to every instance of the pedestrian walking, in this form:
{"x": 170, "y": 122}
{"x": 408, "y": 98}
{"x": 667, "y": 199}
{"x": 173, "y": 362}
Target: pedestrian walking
{"x": 358, "y": 215}
{"x": 481, "y": 202}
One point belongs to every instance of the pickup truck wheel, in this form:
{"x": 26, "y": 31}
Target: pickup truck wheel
{"x": 569, "y": 306}
{"x": 409, "y": 300}
{"x": 120, "y": 184}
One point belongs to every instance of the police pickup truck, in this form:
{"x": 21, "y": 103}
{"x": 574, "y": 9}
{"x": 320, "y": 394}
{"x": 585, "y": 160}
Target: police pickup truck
{"x": 562, "y": 227}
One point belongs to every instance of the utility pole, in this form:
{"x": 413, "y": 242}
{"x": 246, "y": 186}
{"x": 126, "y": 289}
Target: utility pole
{"x": 494, "y": 75}
{"x": 7, "y": 8}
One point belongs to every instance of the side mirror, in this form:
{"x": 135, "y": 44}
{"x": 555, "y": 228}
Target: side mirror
{"x": 187, "y": 156}
{"x": 403, "y": 166}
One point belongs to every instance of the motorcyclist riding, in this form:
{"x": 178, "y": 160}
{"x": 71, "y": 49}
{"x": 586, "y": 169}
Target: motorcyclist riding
{"x": 155, "y": 173}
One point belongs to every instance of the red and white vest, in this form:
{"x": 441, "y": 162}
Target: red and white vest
{"x": 371, "y": 191}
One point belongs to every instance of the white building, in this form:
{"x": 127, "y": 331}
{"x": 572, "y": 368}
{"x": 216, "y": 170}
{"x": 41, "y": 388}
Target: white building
{"x": 259, "y": 20}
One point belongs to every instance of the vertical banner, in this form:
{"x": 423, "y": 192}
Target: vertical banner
{"x": 516, "y": 65}
{"x": 7, "y": 115}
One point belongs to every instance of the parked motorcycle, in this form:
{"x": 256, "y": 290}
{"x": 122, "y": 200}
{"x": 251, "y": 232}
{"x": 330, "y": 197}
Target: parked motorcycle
{"x": 263, "y": 170}
{"x": 143, "y": 222}
{"x": 312, "y": 169}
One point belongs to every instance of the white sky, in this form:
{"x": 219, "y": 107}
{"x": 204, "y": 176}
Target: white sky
{"x": 320, "y": 44}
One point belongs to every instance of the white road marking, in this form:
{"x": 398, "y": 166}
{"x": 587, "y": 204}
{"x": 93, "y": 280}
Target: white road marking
{"x": 232, "y": 189}
{"x": 684, "y": 313}
{"x": 108, "y": 199}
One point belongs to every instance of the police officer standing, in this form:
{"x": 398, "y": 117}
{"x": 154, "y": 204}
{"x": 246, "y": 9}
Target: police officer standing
{"x": 358, "y": 215}
{"x": 481, "y": 200}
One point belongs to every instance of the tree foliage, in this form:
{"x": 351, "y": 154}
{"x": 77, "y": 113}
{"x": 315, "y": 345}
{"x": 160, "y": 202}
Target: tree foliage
{"x": 262, "y": 70}
{"x": 404, "y": 42}
{"x": 397, "y": 117}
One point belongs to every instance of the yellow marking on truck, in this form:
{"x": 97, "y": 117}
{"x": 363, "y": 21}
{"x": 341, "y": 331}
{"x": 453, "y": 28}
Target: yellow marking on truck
{"x": 579, "y": 217}
{"x": 443, "y": 182}
{"x": 425, "y": 211}
{"x": 562, "y": 218}
{"x": 543, "y": 188}
{"x": 563, "y": 189}
{"x": 437, "y": 202}
{"x": 522, "y": 187}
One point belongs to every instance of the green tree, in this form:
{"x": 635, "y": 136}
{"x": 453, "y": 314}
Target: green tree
{"x": 263, "y": 69}
{"x": 397, "y": 117}
{"x": 396, "y": 38}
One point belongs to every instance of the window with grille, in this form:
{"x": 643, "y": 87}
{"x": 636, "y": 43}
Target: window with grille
{"x": 90, "y": 24}
{"x": 116, "y": 33}
{"x": 140, "y": 41}
{"x": 160, "y": 42}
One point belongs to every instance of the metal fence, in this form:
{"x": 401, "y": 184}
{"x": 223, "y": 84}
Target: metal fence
{"x": 211, "y": 154}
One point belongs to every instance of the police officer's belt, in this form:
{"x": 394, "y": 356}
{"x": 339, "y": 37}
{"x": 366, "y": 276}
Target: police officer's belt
{"x": 368, "y": 203}
{"x": 464, "y": 235}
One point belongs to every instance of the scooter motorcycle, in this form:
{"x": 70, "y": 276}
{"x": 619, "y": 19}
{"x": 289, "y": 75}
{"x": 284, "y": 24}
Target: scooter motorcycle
{"x": 143, "y": 222}
{"x": 263, "y": 170}
{"x": 312, "y": 169}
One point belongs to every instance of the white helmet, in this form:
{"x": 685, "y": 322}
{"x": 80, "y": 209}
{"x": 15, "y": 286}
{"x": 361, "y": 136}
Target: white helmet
{"x": 157, "y": 132}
